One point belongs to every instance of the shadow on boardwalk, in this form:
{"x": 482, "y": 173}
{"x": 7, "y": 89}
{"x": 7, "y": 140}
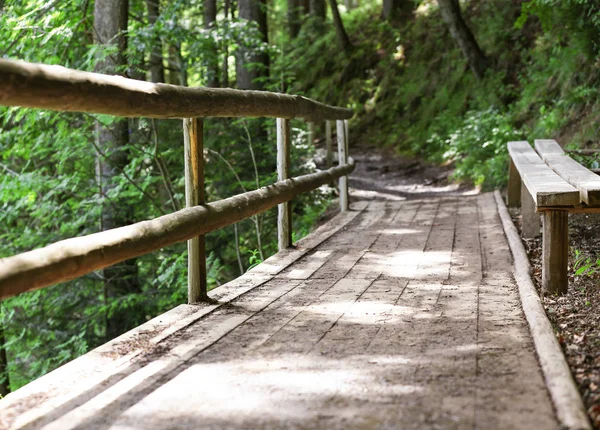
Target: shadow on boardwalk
{"x": 404, "y": 316}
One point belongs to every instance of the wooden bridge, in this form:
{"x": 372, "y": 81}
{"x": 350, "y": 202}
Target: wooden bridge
{"x": 395, "y": 314}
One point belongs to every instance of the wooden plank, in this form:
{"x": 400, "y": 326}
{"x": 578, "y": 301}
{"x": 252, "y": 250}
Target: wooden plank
{"x": 587, "y": 182}
{"x": 555, "y": 252}
{"x": 544, "y": 185}
{"x": 193, "y": 136}
{"x": 343, "y": 159}
{"x": 71, "y": 258}
{"x": 284, "y": 210}
{"x": 58, "y": 88}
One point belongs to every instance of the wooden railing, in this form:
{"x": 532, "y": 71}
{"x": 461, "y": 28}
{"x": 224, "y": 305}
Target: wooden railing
{"x": 58, "y": 88}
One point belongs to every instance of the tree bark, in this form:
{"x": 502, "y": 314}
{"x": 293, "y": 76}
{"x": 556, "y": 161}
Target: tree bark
{"x": 110, "y": 22}
{"x": 340, "y": 31}
{"x": 157, "y": 68}
{"x": 212, "y": 57}
{"x": 317, "y": 8}
{"x": 462, "y": 35}
{"x": 248, "y": 77}
{"x": 396, "y": 10}
{"x": 293, "y": 17}
{"x": 4, "y": 375}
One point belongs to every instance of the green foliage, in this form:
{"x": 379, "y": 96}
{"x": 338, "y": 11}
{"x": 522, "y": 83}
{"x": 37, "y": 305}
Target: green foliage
{"x": 478, "y": 147}
{"x": 585, "y": 265}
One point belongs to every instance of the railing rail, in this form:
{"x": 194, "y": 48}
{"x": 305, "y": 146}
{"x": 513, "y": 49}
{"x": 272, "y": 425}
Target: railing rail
{"x": 58, "y": 88}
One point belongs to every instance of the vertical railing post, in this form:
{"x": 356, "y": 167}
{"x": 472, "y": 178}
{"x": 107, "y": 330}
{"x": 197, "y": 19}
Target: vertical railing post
{"x": 194, "y": 196}
{"x": 311, "y": 133}
{"x": 328, "y": 145}
{"x": 343, "y": 160}
{"x": 284, "y": 214}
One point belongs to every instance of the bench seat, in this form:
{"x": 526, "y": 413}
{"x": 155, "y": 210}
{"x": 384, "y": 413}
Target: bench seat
{"x": 546, "y": 187}
{"x": 584, "y": 180}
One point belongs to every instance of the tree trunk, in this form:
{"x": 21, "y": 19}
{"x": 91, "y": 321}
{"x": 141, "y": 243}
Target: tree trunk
{"x": 317, "y": 8}
{"x": 212, "y": 57}
{"x": 248, "y": 77}
{"x": 110, "y": 22}
{"x": 450, "y": 10}
{"x": 397, "y": 10}
{"x": 157, "y": 68}
{"x": 225, "y": 72}
{"x": 293, "y": 17}
{"x": 339, "y": 27}
{"x": 4, "y": 375}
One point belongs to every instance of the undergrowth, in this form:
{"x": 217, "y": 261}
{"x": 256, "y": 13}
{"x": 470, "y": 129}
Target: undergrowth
{"x": 413, "y": 91}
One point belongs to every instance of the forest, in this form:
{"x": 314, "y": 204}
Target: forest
{"x": 450, "y": 81}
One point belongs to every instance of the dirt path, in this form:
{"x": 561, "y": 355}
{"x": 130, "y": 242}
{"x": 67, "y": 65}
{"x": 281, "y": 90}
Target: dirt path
{"x": 383, "y": 175}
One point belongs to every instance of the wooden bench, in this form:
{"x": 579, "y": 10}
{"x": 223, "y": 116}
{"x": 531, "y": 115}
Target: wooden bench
{"x": 547, "y": 181}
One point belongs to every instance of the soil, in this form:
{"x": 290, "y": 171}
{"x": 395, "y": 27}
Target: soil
{"x": 575, "y": 316}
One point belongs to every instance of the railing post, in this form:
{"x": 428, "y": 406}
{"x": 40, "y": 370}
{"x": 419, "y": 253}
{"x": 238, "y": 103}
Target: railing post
{"x": 311, "y": 133}
{"x": 530, "y": 219}
{"x": 555, "y": 252}
{"x": 514, "y": 186}
{"x": 194, "y": 196}
{"x": 328, "y": 146}
{"x": 343, "y": 160}
{"x": 284, "y": 214}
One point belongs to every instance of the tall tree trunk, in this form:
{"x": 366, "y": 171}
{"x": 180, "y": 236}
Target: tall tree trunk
{"x": 4, "y": 375}
{"x": 317, "y": 8}
{"x": 225, "y": 73}
{"x": 293, "y": 17}
{"x": 340, "y": 31}
{"x": 462, "y": 35}
{"x": 248, "y": 77}
{"x": 110, "y": 22}
{"x": 212, "y": 62}
{"x": 396, "y": 10}
{"x": 157, "y": 68}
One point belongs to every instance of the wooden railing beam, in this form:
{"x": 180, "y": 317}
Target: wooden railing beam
{"x": 61, "y": 89}
{"x": 71, "y": 258}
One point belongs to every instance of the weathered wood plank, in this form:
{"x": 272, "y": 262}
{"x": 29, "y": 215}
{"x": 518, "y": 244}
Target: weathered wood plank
{"x": 544, "y": 185}
{"x": 514, "y": 186}
{"x": 74, "y": 257}
{"x": 58, "y": 88}
{"x": 587, "y": 182}
{"x": 328, "y": 145}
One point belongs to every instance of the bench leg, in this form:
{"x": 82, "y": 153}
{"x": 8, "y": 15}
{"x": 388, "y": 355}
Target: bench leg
{"x": 514, "y": 187}
{"x": 530, "y": 219}
{"x": 555, "y": 252}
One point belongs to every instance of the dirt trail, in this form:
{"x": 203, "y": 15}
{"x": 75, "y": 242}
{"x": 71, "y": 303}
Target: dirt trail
{"x": 383, "y": 175}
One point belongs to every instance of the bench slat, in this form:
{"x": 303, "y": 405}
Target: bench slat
{"x": 544, "y": 185}
{"x": 587, "y": 182}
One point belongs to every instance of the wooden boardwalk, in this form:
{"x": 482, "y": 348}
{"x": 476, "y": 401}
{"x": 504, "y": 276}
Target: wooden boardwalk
{"x": 396, "y": 315}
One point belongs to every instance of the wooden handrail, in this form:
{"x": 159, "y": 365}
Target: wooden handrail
{"x": 58, "y": 88}
{"x": 71, "y": 258}
{"x": 62, "y": 89}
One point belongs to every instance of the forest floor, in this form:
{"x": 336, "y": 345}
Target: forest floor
{"x": 576, "y": 315}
